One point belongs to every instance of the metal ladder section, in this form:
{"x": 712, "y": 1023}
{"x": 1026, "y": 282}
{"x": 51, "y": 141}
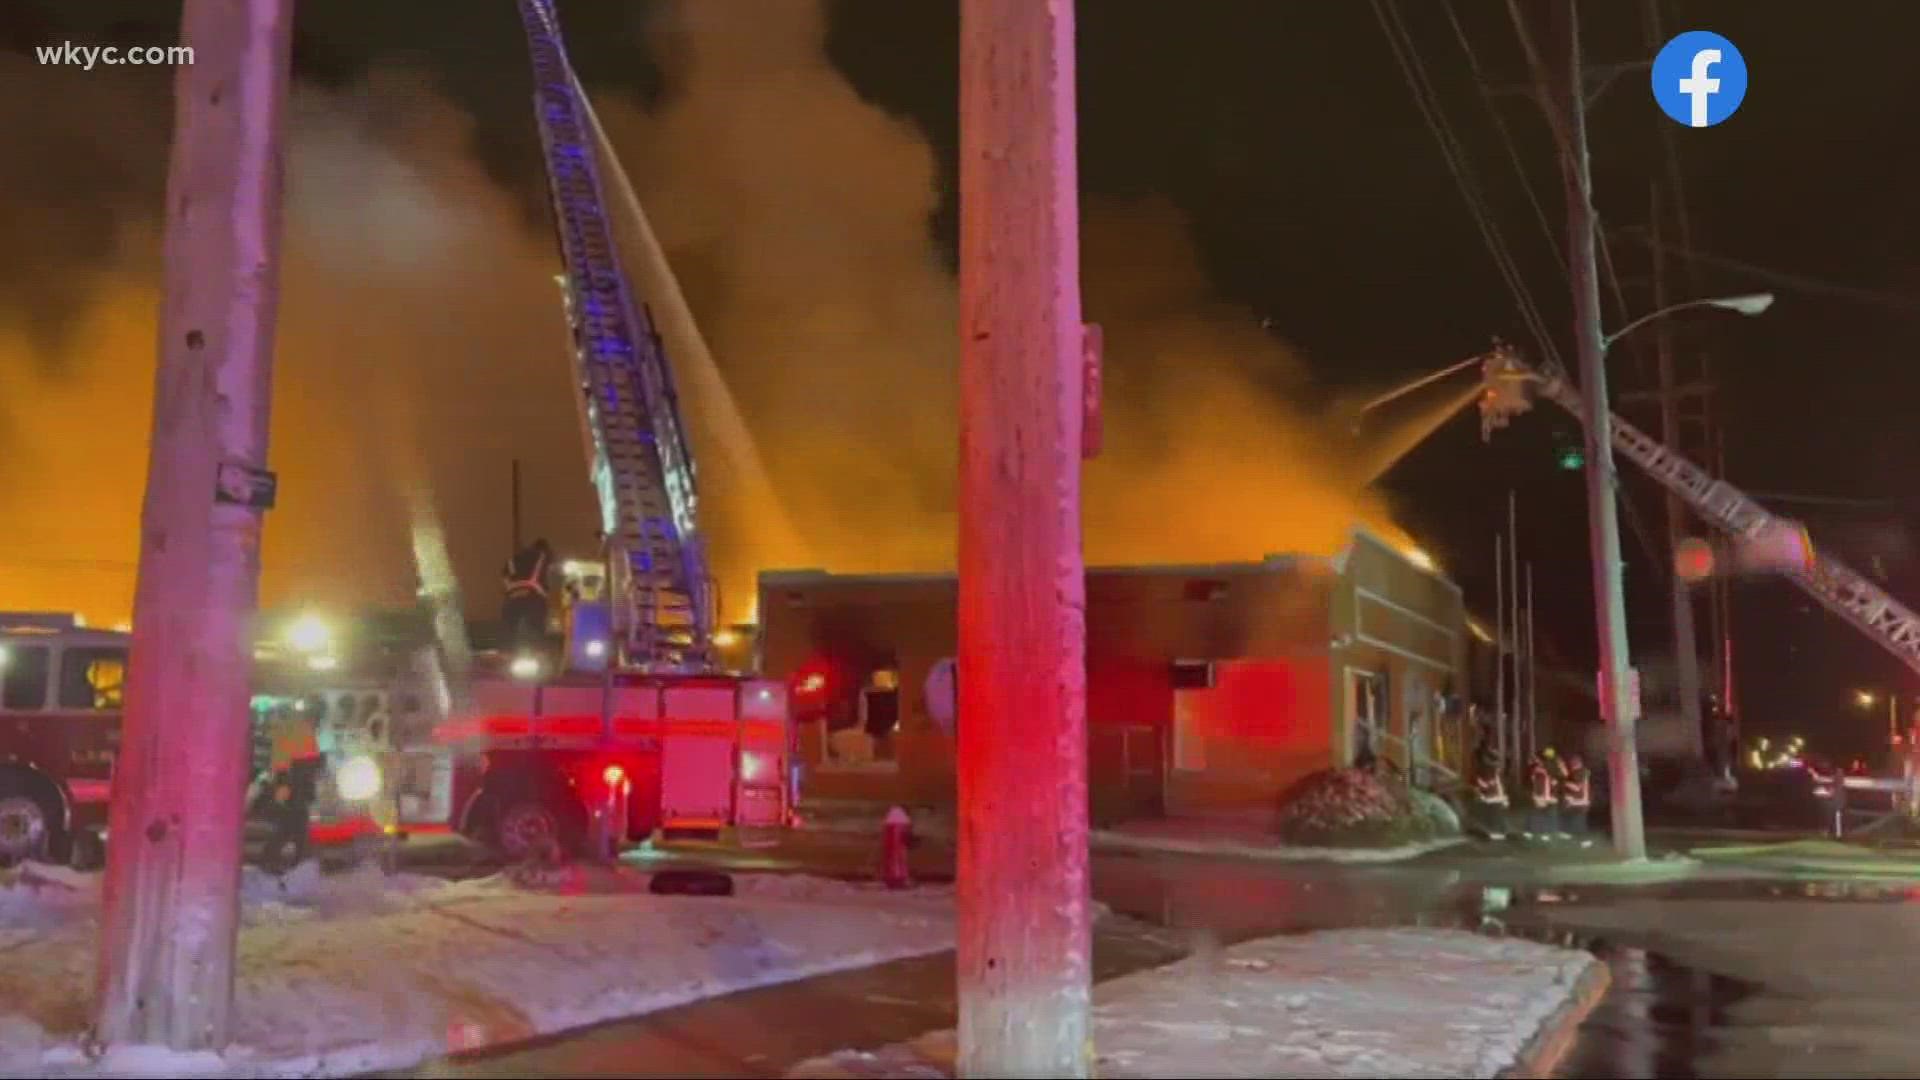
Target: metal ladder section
{"x": 643, "y": 468}
{"x": 1835, "y": 585}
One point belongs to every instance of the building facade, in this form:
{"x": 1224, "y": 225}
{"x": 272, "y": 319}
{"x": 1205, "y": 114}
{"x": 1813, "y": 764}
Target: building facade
{"x": 1210, "y": 689}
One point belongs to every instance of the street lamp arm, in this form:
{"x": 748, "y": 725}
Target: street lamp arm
{"x": 1747, "y": 304}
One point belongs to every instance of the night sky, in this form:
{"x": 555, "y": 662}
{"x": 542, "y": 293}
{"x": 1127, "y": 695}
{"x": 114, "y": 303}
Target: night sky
{"x": 1319, "y": 200}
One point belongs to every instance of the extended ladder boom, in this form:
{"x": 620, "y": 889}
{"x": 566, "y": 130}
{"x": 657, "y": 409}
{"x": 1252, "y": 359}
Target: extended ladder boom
{"x": 1835, "y": 585}
{"x": 643, "y": 469}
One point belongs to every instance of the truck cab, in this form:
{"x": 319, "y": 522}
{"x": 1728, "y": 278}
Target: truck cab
{"x": 60, "y": 709}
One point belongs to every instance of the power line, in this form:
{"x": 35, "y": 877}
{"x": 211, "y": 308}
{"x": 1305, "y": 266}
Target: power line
{"x": 1832, "y": 500}
{"x": 1801, "y": 282}
{"x": 1427, "y": 101}
{"x": 1506, "y": 138}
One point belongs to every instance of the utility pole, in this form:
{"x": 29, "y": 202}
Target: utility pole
{"x": 1525, "y": 751}
{"x": 1618, "y": 705}
{"x": 169, "y": 923}
{"x": 1686, "y": 640}
{"x": 1532, "y": 707}
{"x": 1509, "y": 752}
{"x": 1026, "y": 373}
{"x": 1697, "y": 385}
{"x": 516, "y": 506}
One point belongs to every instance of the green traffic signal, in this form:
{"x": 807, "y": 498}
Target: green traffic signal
{"x": 1572, "y": 460}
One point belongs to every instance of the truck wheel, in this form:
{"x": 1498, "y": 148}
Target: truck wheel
{"x": 27, "y": 824}
{"x": 531, "y": 826}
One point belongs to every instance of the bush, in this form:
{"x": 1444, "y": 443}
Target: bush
{"x": 1360, "y": 808}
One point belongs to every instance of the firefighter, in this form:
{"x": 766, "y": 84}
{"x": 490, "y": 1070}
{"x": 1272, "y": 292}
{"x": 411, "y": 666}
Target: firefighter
{"x": 1576, "y": 800}
{"x": 526, "y": 579}
{"x": 1490, "y": 806}
{"x": 295, "y": 766}
{"x": 1543, "y": 805}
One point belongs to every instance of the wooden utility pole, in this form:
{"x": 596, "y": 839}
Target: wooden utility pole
{"x": 172, "y": 890}
{"x": 1619, "y": 705}
{"x": 1686, "y": 639}
{"x": 1025, "y": 944}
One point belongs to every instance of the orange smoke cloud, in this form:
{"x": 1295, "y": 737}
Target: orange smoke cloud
{"x": 421, "y": 336}
{"x": 798, "y": 216}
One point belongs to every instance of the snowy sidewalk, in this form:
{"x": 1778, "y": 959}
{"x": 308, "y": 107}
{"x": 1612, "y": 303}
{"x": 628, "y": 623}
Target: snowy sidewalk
{"x": 1350, "y": 1003}
{"x": 360, "y": 972}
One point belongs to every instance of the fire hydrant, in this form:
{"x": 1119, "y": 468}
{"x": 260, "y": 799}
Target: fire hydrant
{"x": 895, "y": 838}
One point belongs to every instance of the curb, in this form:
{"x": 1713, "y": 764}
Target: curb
{"x": 933, "y": 1054}
{"x": 1104, "y": 840}
{"x": 1548, "y": 1047}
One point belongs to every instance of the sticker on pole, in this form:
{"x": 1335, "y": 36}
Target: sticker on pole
{"x": 244, "y": 485}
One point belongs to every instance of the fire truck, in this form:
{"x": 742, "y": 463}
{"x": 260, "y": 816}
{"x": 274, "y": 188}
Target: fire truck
{"x": 632, "y": 729}
{"x": 61, "y": 684}
{"x": 60, "y": 687}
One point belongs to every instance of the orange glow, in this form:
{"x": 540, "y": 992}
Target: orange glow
{"x": 420, "y": 336}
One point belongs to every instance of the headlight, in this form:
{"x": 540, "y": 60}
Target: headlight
{"x": 358, "y": 779}
{"x": 524, "y": 667}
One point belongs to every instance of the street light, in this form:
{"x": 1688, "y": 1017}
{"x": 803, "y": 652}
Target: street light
{"x": 309, "y": 634}
{"x": 1867, "y": 699}
{"x": 1748, "y": 304}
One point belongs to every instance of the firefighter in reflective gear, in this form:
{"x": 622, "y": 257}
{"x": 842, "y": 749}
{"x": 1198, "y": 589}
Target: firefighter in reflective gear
{"x": 1543, "y": 804}
{"x": 294, "y": 768}
{"x": 1490, "y": 805}
{"x": 526, "y": 579}
{"x": 1576, "y": 799}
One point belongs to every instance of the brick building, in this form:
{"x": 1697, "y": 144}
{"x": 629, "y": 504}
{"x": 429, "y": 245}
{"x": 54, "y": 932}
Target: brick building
{"x": 1209, "y": 688}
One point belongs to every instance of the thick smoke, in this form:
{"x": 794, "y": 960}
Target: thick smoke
{"x": 421, "y": 337}
{"x": 798, "y": 217}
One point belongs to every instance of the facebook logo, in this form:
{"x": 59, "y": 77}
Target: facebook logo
{"x": 1699, "y": 79}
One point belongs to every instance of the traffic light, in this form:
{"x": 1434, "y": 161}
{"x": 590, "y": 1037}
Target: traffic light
{"x": 1572, "y": 459}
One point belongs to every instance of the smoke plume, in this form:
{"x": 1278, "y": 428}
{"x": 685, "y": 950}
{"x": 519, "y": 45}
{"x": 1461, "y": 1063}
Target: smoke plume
{"x": 421, "y": 339}
{"x": 797, "y": 215}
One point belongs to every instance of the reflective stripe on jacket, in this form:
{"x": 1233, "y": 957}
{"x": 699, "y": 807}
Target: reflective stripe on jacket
{"x": 1490, "y": 790}
{"x": 1577, "y": 791}
{"x": 1542, "y": 784}
{"x": 534, "y": 580}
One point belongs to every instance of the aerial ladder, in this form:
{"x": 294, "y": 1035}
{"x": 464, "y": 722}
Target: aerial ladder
{"x": 639, "y": 733}
{"x": 663, "y": 609}
{"x": 1509, "y": 387}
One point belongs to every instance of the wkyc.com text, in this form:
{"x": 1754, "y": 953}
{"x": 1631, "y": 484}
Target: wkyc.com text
{"x": 86, "y": 56}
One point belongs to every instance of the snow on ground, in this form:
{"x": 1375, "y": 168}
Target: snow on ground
{"x": 1345, "y": 1003}
{"x": 362, "y": 971}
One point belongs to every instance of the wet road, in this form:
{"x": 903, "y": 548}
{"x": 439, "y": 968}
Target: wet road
{"x": 1711, "y": 979}
{"x": 1750, "y": 981}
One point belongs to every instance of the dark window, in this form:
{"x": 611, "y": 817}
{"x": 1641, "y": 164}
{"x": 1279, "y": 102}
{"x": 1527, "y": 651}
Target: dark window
{"x": 92, "y": 678}
{"x": 23, "y": 676}
{"x": 1192, "y": 674}
{"x": 883, "y": 712}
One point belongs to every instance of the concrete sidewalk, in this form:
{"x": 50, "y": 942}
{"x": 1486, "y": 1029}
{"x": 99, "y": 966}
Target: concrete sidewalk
{"x": 1354, "y": 1003}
